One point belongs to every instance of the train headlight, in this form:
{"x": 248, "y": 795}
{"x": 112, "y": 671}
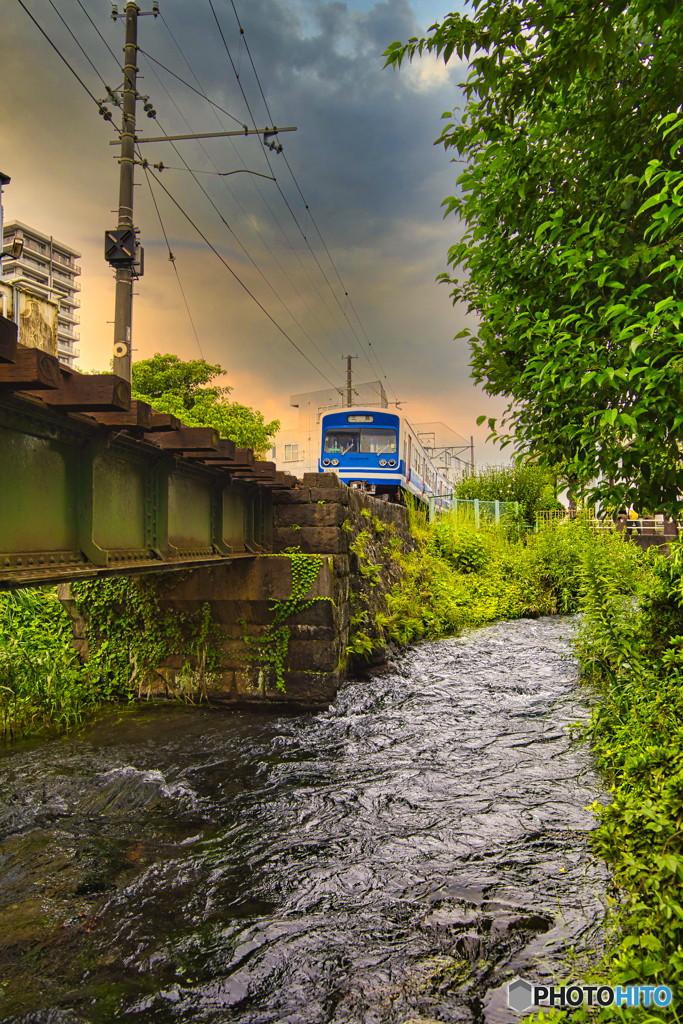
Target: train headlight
{"x": 326, "y": 462}
{"x": 335, "y": 462}
{"x": 392, "y": 463}
{"x": 382, "y": 462}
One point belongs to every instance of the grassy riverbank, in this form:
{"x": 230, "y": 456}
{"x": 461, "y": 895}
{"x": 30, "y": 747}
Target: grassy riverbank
{"x": 460, "y": 577}
{"x": 42, "y": 683}
{"x": 631, "y": 654}
{"x": 457, "y": 577}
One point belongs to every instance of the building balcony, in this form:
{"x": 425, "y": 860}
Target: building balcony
{"x": 59, "y": 282}
{"x": 67, "y": 333}
{"x": 69, "y": 316}
{"x": 68, "y": 350}
{"x": 25, "y": 265}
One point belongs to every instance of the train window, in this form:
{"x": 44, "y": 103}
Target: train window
{"x": 340, "y": 442}
{"x": 378, "y": 441}
{"x": 360, "y": 419}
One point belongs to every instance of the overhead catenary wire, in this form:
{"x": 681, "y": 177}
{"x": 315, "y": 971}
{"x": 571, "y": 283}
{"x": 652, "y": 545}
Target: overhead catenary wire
{"x": 241, "y": 282}
{"x": 172, "y": 260}
{"x": 309, "y": 212}
{"x": 58, "y": 52}
{"x": 261, "y": 194}
{"x": 98, "y": 104}
{"x": 118, "y": 63}
{"x": 244, "y": 286}
{"x": 279, "y": 188}
{"x": 218, "y": 174}
{"x": 229, "y": 227}
{"x": 245, "y": 251}
{"x": 202, "y": 94}
{"x": 54, "y": 8}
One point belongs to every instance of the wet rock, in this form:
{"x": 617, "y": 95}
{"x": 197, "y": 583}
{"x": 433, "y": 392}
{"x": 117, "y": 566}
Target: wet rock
{"x": 502, "y": 927}
{"x": 470, "y": 945}
{"x": 446, "y": 919}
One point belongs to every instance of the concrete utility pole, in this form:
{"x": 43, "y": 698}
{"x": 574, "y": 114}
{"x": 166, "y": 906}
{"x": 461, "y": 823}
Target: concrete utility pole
{"x": 472, "y": 453}
{"x": 349, "y": 380}
{"x": 121, "y": 246}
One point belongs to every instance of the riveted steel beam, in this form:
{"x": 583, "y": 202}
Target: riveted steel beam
{"x": 79, "y": 500}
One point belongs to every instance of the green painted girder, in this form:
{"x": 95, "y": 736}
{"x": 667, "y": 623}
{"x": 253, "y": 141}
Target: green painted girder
{"x": 78, "y": 501}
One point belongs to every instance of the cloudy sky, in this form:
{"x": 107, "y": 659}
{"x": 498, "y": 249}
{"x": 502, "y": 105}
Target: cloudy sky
{"x": 363, "y": 157}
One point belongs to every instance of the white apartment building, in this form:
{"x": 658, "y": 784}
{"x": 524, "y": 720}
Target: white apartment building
{"x": 47, "y": 269}
{"x": 297, "y": 443}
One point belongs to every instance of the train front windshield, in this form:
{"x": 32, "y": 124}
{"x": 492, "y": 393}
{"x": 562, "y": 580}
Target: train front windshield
{"x": 367, "y": 440}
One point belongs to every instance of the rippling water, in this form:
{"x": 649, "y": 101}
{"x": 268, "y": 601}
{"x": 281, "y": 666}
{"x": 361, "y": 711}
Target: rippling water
{"x": 395, "y": 858}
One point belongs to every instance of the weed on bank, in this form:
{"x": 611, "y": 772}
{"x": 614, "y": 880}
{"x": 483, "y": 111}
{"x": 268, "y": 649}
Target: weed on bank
{"x": 42, "y": 682}
{"x": 631, "y": 655}
{"x": 461, "y": 576}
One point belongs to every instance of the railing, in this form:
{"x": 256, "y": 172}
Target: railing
{"x": 646, "y": 525}
{"x": 476, "y": 508}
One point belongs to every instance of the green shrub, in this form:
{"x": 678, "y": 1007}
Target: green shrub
{"x": 42, "y": 683}
{"x": 464, "y": 548}
{"x": 529, "y": 484}
{"x": 631, "y": 653}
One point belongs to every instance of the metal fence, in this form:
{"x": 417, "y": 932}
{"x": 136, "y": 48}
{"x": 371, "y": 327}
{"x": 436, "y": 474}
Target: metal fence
{"x": 647, "y": 525}
{"x": 475, "y": 508}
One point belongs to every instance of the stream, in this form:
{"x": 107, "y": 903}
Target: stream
{"x": 397, "y": 857}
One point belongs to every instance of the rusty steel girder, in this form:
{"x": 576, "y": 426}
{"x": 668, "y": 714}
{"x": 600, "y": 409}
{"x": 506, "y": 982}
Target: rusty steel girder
{"x": 81, "y": 499}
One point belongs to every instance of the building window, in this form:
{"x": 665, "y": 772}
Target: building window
{"x": 291, "y": 453}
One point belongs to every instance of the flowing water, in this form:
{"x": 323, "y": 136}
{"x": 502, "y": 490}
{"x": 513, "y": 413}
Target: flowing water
{"x": 397, "y": 857}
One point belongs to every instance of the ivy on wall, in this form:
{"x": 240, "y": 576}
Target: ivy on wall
{"x": 130, "y": 635}
{"x": 272, "y": 646}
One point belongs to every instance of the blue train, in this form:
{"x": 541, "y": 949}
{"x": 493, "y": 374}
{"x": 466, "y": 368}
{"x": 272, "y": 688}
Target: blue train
{"x": 381, "y": 453}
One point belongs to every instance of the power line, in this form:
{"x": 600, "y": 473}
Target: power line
{"x": 265, "y": 201}
{"x": 172, "y": 259}
{"x": 203, "y": 95}
{"x": 118, "y": 63}
{"x": 286, "y": 201}
{"x": 303, "y": 199}
{"x": 58, "y": 52}
{"x": 242, "y": 284}
{"x": 241, "y": 245}
{"x": 78, "y": 78}
{"x": 284, "y": 197}
{"x": 78, "y": 44}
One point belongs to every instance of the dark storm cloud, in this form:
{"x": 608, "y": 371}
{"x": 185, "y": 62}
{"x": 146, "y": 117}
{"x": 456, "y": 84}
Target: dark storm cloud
{"x": 363, "y": 155}
{"x": 364, "y": 148}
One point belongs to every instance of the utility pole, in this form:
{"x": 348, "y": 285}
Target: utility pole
{"x": 121, "y": 247}
{"x": 349, "y": 380}
{"x": 472, "y": 453}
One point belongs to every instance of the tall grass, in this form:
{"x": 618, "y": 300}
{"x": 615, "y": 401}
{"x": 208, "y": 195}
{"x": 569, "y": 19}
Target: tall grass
{"x": 42, "y": 683}
{"x": 461, "y": 576}
{"x": 631, "y": 654}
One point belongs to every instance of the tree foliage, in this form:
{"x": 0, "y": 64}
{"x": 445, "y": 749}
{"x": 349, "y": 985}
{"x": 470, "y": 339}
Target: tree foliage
{"x": 529, "y": 484}
{"x": 571, "y": 200}
{"x": 180, "y": 388}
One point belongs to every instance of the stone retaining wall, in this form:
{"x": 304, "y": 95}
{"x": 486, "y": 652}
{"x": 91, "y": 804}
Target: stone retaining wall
{"x": 320, "y": 517}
